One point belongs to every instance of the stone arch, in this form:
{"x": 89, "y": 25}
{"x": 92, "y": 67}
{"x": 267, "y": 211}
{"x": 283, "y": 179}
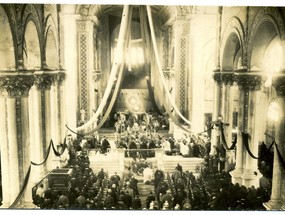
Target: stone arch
{"x": 7, "y": 46}
{"x": 31, "y": 47}
{"x": 267, "y": 25}
{"x": 232, "y": 44}
{"x": 51, "y": 44}
{"x": 30, "y": 14}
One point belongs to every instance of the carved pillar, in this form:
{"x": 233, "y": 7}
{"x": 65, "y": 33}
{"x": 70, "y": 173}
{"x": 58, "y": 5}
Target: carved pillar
{"x": 4, "y": 154}
{"x": 227, "y": 112}
{"x": 249, "y": 82}
{"x": 16, "y": 145}
{"x": 216, "y": 108}
{"x": 41, "y": 127}
{"x": 277, "y": 201}
{"x": 56, "y": 110}
{"x": 182, "y": 29}
{"x": 85, "y": 31}
{"x": 62, "y": 97}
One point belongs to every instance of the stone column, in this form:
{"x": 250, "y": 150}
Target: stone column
{"x": 216, "y": 108}
{"x": 181, "y": 28}
{"x": 41, "y": 142}
{"x": 61, "y": 96}
{"x": 56, "y": 111}
{"x": 85, "y": 32}
{"x": 13, "y": 148}
{"x": 17, "y": 143}
{"x": 250, "y": 82}
{"x": 227, "y": 112}
{"x": 237, "y": 172}
{"x": 276, "y": 201}
{"x": 48, "y": 125}
{"x": 4, "y": 155}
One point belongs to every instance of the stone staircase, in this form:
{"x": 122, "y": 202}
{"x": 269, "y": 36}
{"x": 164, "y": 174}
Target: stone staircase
{"x": 190, "y": 164}
{"x": 108, "y": 162}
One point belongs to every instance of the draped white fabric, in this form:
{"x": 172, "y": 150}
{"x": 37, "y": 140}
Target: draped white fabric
{"x": 159, "y": 66}
{"x": 118, "y": 61}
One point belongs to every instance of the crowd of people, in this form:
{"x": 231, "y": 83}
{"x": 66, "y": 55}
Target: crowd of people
{"x": 181, "y": 190}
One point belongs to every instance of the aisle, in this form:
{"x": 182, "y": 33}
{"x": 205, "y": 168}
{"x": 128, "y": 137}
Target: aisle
{"x": 144, "y": 190}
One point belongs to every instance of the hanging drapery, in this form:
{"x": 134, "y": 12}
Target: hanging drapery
{"x": 27, "y": 177}
{"x": 160, "y": 68}
{"x": 118, "y": 61}
{"x": 280, "y": 156}
{"x": 21, "y": 193}
{"x": 151, "y": 96}
{"x": 48, "y": 151}
{"x": 245, "y": 142}
{"x": 224, "y": 142}
{"x": 118, "y": 81}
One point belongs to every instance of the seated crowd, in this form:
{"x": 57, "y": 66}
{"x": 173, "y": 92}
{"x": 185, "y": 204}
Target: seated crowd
{"x": 181, "y": 190}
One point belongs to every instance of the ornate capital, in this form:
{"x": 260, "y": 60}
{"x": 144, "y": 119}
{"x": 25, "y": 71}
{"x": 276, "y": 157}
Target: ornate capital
{"x": 58, "y": 78}
{"x": 248, "y": 81}
{"x": 228, "y": 78}
{"x": 18, "y": 85}
{"x": 97, "y": 74}
{"x": 217, "y": 76}
{"x": 278, "y": 83}
{"x": 168, "y": 73}
{"x": 81, "y": 25}
{"x": 43, "y": 81}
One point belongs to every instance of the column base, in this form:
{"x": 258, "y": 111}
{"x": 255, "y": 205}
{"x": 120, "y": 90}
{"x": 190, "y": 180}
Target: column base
{"x": 236, "y": 176}
{"x": 273, "y": 205}
{"x": 282, "y": 207}
{"x": 26, "y": 205}
{"x": 5, "y": 205}
{"x": 250, "y": 179}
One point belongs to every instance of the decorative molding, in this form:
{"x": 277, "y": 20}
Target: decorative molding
{"x": 183, "y": 75}
{"x": 83, "y": 80}
{"x": 16, "y": 86}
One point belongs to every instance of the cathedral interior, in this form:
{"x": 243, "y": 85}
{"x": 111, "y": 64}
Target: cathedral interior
{"x": 101, "y": 104}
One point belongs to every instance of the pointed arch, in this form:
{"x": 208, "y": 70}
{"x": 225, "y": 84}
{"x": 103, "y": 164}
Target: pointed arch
{"x": 232, "y": 44}
{"x": 7, "y": 45}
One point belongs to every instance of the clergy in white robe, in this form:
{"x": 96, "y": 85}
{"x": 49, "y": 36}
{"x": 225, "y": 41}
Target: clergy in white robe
{"x": 147, "y": 174}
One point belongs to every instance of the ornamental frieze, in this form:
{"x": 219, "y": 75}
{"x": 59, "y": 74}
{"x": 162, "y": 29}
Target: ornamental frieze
{"x": 18, "y": 85}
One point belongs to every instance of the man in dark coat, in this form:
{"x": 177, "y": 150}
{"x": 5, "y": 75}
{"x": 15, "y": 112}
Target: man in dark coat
{"x": 158, "y": 177}
{"x": 127, "y": 199}
{"x": 105, "y": 144}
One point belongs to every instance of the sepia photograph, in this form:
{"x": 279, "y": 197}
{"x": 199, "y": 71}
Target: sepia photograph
{"x": 142, "y": 106}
